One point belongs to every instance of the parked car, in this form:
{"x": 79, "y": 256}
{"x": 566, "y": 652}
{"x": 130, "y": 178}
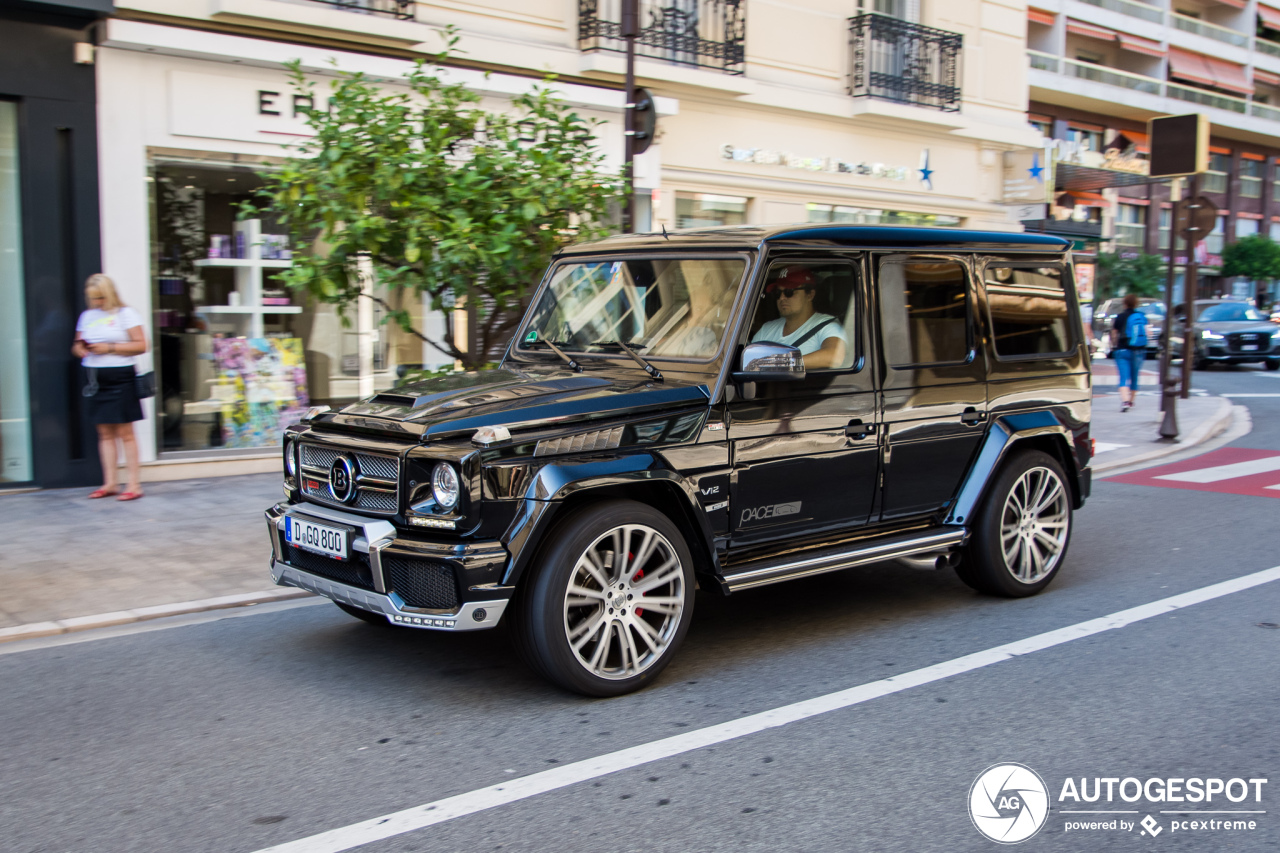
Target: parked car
{"x": 667, "y": 418}
{"x": 1106, "y": 314}
{"x": 1228, "y": 332}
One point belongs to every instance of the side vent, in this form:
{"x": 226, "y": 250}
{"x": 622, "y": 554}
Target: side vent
{"x": 583, "y": 442}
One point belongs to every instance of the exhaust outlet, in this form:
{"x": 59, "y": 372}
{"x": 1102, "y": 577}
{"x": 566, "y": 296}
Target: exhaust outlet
{"x": 931, "y": 562}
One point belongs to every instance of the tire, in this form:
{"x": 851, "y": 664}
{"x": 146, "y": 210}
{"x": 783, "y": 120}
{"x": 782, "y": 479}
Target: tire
{"x": 575, "y": 620}
{"x": 1273, "y": 364}
{"x": 1037, "y": 541}
{"x": 365, "y": 616}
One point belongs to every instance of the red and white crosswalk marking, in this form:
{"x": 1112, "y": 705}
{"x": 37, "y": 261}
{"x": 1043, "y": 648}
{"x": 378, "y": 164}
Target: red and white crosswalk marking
{"x": 1234, "y": 470}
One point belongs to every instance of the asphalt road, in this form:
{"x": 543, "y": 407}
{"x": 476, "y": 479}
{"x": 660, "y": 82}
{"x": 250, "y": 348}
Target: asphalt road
{"x": 242, "y": 733}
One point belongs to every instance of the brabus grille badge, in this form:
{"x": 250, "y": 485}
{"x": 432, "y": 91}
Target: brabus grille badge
{"x": 605, "y": 439}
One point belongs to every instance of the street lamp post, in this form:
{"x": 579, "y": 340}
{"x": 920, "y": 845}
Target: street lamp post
{"x": 630, "y": 30}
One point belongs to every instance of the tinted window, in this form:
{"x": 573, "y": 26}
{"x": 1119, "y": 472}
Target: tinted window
{"x": 924, "y": 308}
{"x": 1028, "y": 311}
{"x": 811, "y": 305}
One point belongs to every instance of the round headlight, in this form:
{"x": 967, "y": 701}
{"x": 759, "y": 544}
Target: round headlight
{"x": 291, "y": 457}
{"x": 444, "y": 485}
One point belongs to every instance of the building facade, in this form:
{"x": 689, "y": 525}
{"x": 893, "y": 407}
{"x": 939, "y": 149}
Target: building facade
{"x": 1100, "y": 71}
{"x": 875, "y": 111}
{"x": 48, "y": 236}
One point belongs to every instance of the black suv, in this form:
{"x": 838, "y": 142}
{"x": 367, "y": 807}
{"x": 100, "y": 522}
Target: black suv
{"x": 724, "y": 408}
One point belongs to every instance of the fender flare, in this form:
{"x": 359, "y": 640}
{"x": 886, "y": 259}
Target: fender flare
{"x": 562, "y": 484}
{"x": 1006, "y": 432}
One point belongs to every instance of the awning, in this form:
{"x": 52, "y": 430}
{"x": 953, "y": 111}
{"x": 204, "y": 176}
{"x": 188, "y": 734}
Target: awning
{"x": 1080, "y": 28}
{"x": 1208, "y": 71}
{"x": 1138, "y": 44}
{"x": 1090, "y": 199}
{"x": 1139, "y": 141}
{"x": 1037, "y": 16}
{"x": 1267, "y": 77}
{"x": 1270, "y": 17}
{"x": 1235, "y": 4}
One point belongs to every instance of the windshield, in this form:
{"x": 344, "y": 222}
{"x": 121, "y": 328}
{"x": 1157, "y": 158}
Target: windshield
{"x": 673, "y": 307}
{"x": 1152, "y": 309}
{"x": 1231, "y": 312}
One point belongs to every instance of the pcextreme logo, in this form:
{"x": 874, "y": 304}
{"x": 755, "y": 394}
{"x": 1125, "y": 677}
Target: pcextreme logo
{"x": 1009, "y": 803}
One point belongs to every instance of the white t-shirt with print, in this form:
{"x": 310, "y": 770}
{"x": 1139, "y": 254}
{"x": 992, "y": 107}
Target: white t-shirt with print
{"x": 107, "y": 327}
{"x": 771, "y": 332}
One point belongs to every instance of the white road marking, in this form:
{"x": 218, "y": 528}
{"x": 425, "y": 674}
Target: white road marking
{"x": 1276, "y": 486}
{"x": 1225, "y": 472}
{"x": 1238, "y": 396}
{"x": 1104, "y": 446}
{"x": 514, "y": 790}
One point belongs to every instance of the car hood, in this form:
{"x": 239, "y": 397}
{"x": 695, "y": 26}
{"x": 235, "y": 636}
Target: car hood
{"x": 458, "y": 402}
{"x": 1231, "y": 327}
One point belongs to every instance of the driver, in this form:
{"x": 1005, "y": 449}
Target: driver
{"x": 820, "y": 337}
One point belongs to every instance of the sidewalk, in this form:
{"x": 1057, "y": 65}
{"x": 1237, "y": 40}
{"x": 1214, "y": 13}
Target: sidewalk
{"x": 191, "y": 545}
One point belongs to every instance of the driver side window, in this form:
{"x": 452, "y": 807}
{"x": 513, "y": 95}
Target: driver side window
{"x": 810, "y": 305}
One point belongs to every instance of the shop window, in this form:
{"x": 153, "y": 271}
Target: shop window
{"x": 872, "y": 216}
{"x": 1028, "y": 311}
{"x": 15, "y": 411}
{"x": 703, "y": 210}
{"x": 924, "y": 311}
{"x": 238, "y": 355}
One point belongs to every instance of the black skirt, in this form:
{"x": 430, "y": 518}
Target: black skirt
{"x": 116, "y": 401}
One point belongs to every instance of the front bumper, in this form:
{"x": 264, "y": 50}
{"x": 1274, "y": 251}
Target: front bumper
{"x": 1223, "y": 354}
{"x": 480, "y": 606}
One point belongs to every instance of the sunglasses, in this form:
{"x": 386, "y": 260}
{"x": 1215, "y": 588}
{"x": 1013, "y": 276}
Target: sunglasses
{"x": 788, "y": 292}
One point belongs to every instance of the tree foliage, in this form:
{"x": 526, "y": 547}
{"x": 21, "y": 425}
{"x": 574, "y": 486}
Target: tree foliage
{"x": 1140, "y": 275}
{"x": 1256, "y": 257}
{"x": 440, "y": 195}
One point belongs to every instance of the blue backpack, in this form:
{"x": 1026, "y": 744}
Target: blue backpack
{"x": 1135, "y": 329}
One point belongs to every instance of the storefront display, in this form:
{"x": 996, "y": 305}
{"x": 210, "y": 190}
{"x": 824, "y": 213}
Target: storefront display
{"x": 260, "y": 387}
{"x": 15, "y": 414}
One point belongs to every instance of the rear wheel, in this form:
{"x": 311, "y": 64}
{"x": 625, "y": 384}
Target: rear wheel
{"x": 1022, "y": 531}
{"x": 609, "y": 602}
{"x": 1273, "y": 364}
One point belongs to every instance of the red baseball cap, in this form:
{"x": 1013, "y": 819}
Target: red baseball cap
{"x": 796, "y": 278}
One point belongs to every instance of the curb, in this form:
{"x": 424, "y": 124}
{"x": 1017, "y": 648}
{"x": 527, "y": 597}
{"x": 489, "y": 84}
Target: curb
{"x": 1218, "y": 422}
{"x": 33, "y": 630}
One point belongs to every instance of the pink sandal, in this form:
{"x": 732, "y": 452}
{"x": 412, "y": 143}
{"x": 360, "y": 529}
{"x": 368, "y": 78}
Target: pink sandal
{"x": 129, "y": 496}
{"x": 101, "y": 493}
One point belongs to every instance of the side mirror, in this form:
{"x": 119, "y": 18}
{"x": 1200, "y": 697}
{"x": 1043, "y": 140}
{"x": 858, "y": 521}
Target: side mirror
{"x": 770, "y": 363}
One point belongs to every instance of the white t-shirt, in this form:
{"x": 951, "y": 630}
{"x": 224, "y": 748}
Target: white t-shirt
{"x": 107, "y": 327}
{"x": 771, "y": 332}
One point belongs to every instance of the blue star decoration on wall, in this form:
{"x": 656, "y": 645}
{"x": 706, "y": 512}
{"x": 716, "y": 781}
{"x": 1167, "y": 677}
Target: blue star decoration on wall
{"x": 926, "y": 174}
{"x": 1036, "y": 171}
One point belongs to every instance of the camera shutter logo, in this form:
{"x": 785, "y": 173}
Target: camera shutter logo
{"x": 342, "y": 480}
{"x": 1008, "y": 803}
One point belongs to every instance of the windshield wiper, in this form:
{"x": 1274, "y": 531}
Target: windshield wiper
{"x": 635, "y": 356}
{"x": 555, "y": 349}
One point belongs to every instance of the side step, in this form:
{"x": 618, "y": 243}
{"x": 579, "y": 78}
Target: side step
{"x": 775, "y": 571}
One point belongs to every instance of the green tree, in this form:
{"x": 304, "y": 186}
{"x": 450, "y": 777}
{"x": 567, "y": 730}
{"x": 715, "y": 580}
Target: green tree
{"x": 436, "y": 195}
{"x": 1140, "y": 275}
{"x": 1257, "y": 258}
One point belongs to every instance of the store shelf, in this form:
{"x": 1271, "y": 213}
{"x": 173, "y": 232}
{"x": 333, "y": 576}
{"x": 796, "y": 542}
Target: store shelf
{"x": 252, "y": 309}
{"x": 243, "y": 263}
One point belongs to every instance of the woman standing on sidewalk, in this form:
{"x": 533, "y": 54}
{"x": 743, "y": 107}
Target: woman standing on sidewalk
{"x": 1129, "y": 355}
{"x": 108, "y": 336}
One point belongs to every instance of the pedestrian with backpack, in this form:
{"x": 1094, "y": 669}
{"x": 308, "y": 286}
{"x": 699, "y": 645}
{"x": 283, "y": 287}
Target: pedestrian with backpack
{"x": 1129, "y": 343}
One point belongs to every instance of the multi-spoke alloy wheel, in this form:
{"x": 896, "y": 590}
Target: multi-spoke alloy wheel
{"x": 1033, "y": 527}
{"x": 624, "y": 601}
{"x": 1019, "y": 538}
{"x": 609, "y": 601}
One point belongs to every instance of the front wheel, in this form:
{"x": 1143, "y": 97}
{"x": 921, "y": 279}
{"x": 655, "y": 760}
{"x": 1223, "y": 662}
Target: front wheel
{"x": 609, "y": 602}
{"x": 1021, "y": 533}
{"x": 1273, "y": 364}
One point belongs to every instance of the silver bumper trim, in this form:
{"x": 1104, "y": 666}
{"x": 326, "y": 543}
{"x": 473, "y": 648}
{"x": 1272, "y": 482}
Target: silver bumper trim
{"x": 389, "y": 605}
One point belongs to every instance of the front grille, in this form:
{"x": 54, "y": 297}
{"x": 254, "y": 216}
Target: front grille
{"x": 421, "y": 583}
{"x": 1239, "y": 339}
{"x": 353, "y": 572}
{"x": 321, "y": 457}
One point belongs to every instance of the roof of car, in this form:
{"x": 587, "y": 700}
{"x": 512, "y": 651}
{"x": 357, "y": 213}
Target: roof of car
{"x": 829, "y": 235}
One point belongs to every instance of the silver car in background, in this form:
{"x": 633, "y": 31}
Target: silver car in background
{"x": 1106, "y": 314}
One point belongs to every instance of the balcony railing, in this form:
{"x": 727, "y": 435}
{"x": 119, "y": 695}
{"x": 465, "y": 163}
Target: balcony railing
{"x": 1129, "y": 7}
{"x": 1250, "y": 187}
{"x": 1264, "y": 46}
{"x": 1204, "y": 28}
{"x": 1110, "y": 76}
{"x": 399, "y": 9}
{"x": 900, "y": 61}
{"x": 1208, "y": 99}
{"x": 700, "y": 33}
{"x": 1264, "y": 111}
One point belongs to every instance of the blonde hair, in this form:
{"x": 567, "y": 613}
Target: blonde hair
{"x": 106, "y": 289}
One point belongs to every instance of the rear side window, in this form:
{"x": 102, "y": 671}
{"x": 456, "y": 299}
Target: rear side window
{"x": 924, "y": 310}
{"x": 1029, "y": 311}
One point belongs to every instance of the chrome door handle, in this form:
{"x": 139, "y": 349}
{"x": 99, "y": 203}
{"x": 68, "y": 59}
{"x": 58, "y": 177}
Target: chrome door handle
{"x": 857, "y": 430}
{"x": 972, "y": 416}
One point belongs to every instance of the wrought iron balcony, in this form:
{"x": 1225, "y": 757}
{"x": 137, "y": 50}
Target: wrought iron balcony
{"x": 401, "y": 10}
{"x": 701, "y": 33}
{"x": 896, "y": 60}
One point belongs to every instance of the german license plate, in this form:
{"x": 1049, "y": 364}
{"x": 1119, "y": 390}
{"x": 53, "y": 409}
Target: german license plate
{"x": 318, "y": 538}
{"x": 1249, "y": 347}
